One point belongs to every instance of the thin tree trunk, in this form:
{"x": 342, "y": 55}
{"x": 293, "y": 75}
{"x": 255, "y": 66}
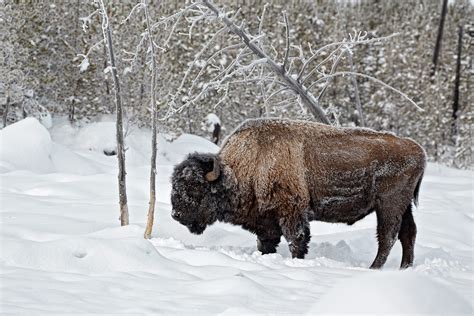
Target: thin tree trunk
{"x": 458, "y": 75}
{"x": 72, "y": 109}
{"x": 439, "y": 38}
{"x": 151, "y": 206}
{"x": 5, "y": 112}
{"x": 356, "y": 93}
{"x": 306, "y": 97}
{"x": 124, "y": 217}
{"x": 106, "y": 84}
{"x": 457, "y": 82}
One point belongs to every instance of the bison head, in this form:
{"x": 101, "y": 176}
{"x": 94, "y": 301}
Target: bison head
{"x": 195, "y": 193}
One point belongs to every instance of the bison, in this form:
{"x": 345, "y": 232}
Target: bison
{"x": 273, "y": 177}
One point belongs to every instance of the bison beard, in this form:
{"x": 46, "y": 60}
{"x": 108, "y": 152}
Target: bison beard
{"x": 273, "y": 177}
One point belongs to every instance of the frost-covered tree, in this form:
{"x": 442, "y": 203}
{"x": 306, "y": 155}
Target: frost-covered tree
{"x": 154, "y": 127}
{"x": 40, "y": 30}
{"x": 252, "y": 62}
{"x": 107, "y": 39}
{"x": 17, "y": 95}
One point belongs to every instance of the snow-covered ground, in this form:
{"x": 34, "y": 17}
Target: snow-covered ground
{"x": 62, "y": 250}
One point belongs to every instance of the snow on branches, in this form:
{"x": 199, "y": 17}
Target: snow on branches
{"x": 301, "y": 76}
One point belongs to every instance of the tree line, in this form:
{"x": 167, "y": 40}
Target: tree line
{"x": 357, "y": 63}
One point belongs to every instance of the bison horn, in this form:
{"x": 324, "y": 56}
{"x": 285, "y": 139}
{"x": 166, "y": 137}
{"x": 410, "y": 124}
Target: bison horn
{"x": 214, "y": 174}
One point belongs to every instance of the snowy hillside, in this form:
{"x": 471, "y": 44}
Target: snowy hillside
{"x": 63, "y": 251}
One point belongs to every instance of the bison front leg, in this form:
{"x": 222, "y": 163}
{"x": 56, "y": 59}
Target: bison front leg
{"x": 267, "y": 245}
{"x": 268, "y": 236}
{"x": 296, "y": 231}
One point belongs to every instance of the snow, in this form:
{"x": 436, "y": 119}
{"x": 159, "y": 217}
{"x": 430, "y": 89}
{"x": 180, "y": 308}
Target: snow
{"x": 27, "y": 150}
{"x": 62, "y": 250}
{"x": 84, "y": 64}
{"x": 213, "y": 119}
{"x": 403, "y": 292}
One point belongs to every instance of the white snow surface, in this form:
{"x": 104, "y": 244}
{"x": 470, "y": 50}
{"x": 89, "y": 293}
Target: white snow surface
{"x": 63, "y": 251}
{"x": 211, "y": 121}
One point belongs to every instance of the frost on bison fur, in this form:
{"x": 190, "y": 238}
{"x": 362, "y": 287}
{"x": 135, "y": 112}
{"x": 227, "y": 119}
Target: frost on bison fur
{"x": 273, "y": 177}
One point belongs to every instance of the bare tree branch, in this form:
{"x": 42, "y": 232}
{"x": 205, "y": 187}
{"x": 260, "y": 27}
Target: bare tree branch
{"x": 356, "y": 42}
{"x": 287, "y": 38}
{"x": 350, "y": 73}
{"x": 329, "y": 78}
{"x": 306, "y": 97}
{"x": 356, "y": 90}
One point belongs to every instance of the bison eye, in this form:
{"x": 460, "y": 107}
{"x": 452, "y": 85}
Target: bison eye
{"x": 175, "y": 215}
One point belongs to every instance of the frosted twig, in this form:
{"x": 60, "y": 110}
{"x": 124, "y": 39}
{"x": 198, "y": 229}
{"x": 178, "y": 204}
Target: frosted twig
{"x": 285, "y": 102}
{"x": 356, "y": 90}
{"x": 137, "y": 7}
{"x": 306, "y": 96}
{"x": 316, "y": 68}
{"x": 143, "y": 38}
{"x": 344, "y": 42}
{"x": 225, "y": 96}
{"x": 231, "y": 65}
{"x": 260, "y": 24}
{"x": 175, "y": 24}
{"x": 277, "y": 92}
{"x": 176, "y": 17}
{"x": 300, "y": 51}
{"x": 86, "y": 56}
{"x": 195, "y": 20}
{"x": 328, "y": 78}
{"x": 211, "y": 58}
{"x": 198, "y": 55}
{"x": 287, "y": 49}
{"x": 344, "y": 73}
{"x": 86, "y": 21}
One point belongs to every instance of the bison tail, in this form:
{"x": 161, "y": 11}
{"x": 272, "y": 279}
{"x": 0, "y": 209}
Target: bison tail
{"x": 417, "y": 191}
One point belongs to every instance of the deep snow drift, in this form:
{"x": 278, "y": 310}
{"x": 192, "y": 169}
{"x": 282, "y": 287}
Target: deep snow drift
{"x": 62, "y": 250}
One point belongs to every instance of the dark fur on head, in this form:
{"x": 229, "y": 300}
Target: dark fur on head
{"x": 197, "y": 199}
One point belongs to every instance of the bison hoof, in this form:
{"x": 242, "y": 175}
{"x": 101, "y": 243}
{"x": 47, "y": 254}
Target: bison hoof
{"x": 267, "y": 246}
{"x": 406, "y": 266}
{"x": 298, "y": 252}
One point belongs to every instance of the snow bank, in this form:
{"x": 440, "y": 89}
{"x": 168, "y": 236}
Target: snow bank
{"x": 98, "y": 137}
{"x": 400, "y": 292}
{"x": 67, "y": 161}
{"x": 27, "y": 145}
{"x": 177, "y": 150}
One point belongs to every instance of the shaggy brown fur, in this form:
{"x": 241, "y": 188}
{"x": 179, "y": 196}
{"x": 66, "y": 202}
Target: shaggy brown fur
{"x": 275, "y": 176}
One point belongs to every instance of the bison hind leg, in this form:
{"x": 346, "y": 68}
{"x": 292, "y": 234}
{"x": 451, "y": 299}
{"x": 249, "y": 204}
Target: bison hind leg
{"x": 388, "y": 226}
{"x": 407, "y": 237}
